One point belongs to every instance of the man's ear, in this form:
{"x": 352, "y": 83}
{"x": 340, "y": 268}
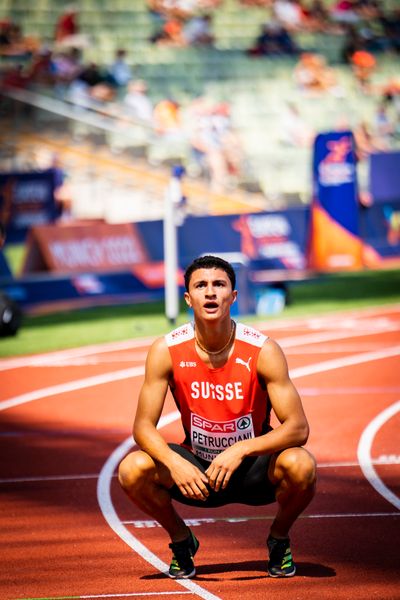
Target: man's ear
{"x": 234, "y": 296}
{"x": 187, "y": 299}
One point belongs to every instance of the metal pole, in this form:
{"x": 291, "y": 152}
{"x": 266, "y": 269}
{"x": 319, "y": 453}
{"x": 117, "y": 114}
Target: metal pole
{"x": 173, "y": 197}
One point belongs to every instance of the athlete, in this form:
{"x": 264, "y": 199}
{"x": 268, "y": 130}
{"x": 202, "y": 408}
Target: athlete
{"x": 225, "y": 378}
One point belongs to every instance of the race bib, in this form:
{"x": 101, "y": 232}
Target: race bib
{"x": 209, "y": 438}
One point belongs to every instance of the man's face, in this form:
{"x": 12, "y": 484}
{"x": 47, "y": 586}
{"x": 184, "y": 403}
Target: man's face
{"x": 210, "y": 293}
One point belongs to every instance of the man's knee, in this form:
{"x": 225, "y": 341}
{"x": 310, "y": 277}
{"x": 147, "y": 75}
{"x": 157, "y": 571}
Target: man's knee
{"x": 133, "y": 469}
{"x": 297, "y": 466}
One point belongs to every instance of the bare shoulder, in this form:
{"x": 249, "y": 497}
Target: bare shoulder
{"x": 271, "y": 360}
{"x": 158, "y": 358}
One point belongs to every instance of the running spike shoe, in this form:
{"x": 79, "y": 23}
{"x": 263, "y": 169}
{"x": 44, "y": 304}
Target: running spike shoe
{"x": 280, "y": 562}
{"x": 182, "y": 565}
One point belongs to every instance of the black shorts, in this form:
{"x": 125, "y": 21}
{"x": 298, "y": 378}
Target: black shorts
{"x": 249, "y": 484}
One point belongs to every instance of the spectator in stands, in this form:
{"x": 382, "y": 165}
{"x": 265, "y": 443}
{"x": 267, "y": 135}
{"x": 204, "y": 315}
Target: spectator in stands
{"x": 170, "y": 33}
{"x": 367, "y": 142}
{"x": 136, "y": 103}
{"x": 295, "y": 130}
{"x": 313, "y": 76}
{"x": 167, "y": 118}
{"x": 216, "y": 147}
{"x": 14, "y": 76}
{"x": 384, "y": 125}
{"x": 317, "y": 17}
{"x": 119, "y": 72}
{"x": 67, "y": 24}
{"x": 289, "y": 14}
{"x": 345, "y": 12}
{"x": 197, "y": 31}
{"x": 42, "y": 69}
{"x": 13, "y": 43}
{"x": 67, "y": 64}
{"x": 274, "y": 40}
{"x": 390, "y": 23}
{"x": 363, "y": 64}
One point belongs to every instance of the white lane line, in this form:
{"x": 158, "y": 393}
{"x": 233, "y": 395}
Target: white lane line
{"x": 110, "y": 515}
{"x": 134, "y": 371}
{"x": 104, "y": 484}
{"x": 327, "y": 320}
{"x": 364, "y": 453}
{"x": 109, "y": 467}
{"x": 71, "y": 386}
{"x": 347, "y": 361}
{"x": 326, "y": 391}
{"x": 126, "y": 595}
{"x": 48, "y": 358}
{"x": 328, "y": 336}
{"x": 385, "y": 460}
{"x": 356, "y": 315}
{"x": 198, "y": 522}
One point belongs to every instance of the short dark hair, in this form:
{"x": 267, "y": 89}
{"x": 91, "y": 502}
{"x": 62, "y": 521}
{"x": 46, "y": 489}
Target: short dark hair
{"x": 210, "y": 262}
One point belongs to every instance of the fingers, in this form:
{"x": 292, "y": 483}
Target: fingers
{"x": 195, "y": 491}
{"x": 218, "y": 477}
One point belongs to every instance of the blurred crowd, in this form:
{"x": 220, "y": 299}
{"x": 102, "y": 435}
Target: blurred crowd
{"x": 203, "y": 125}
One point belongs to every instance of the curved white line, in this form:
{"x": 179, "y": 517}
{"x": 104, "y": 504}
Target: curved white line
{"x": 104, "y": 483}
{"x": 71, "y": 386}
{"x": 110, "y": 515}
{"x": 364, "y": 454}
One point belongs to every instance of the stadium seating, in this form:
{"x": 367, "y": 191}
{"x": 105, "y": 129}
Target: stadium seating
{"x": 258, "y": 89}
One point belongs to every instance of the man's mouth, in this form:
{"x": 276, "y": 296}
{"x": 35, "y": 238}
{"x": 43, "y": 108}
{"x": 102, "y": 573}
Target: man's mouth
{"x": 211, "y": 305}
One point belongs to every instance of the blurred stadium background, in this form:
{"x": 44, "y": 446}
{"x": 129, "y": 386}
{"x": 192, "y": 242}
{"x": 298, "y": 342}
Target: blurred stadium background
{"x": 62, "y": 109}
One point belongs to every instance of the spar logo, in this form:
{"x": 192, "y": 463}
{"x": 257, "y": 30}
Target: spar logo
{"x": 334, "y": 169}
{"x": 239, "y": 424}
{"x": 243, "y": 423}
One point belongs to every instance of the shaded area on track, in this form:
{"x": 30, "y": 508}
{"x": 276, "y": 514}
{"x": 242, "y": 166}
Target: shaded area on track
{"x": 58, "y": 543}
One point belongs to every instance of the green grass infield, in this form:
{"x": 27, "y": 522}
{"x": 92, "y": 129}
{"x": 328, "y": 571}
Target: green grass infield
{"x": 324, "y": 294}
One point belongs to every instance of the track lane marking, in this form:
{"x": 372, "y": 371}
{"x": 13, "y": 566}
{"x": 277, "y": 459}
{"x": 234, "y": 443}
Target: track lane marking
{"x": 71, "y": 386}
{"x": 304, "y": 322}
{"x": 364, "y": 453}
{"x": 126, "y": 595}
{"x": 327, "y": 365}
{"x": 385, "y": 460}
{"x": 111, "y": 517}
{"x": 104, "y": 483}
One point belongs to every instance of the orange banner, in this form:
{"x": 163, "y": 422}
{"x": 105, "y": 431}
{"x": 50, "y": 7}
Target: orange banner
{"x": 84, "y": 247}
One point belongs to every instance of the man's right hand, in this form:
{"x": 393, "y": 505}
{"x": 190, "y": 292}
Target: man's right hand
{"x": 191, "y": 482}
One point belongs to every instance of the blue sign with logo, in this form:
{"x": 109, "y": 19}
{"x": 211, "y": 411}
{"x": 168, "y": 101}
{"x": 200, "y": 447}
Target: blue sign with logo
{"x": 335, "y": 177}
{"x": 27, "y": 199}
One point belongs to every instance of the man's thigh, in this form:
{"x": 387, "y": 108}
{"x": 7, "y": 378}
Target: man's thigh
{"x": 248, "y": 485}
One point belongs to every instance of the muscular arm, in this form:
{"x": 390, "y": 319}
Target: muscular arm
{"x": 187, "y": 477}
{"x": 293, "y": 428}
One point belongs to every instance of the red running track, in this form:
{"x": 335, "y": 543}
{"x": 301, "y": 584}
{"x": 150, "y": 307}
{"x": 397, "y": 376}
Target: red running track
{"x": 67, "y": 530}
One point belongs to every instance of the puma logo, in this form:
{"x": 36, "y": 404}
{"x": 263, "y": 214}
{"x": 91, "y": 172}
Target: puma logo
{"x": 239, "y": 361}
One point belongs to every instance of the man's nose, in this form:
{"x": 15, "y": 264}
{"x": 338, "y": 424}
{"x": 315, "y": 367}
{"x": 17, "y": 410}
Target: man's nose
{"x": 210, "y": 290}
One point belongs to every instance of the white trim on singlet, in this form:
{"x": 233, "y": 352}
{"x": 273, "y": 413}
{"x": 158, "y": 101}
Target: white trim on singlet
{"x": 181, "y": 334}
{"x": 244, "y": 333}
{"x": 248, "y": 334}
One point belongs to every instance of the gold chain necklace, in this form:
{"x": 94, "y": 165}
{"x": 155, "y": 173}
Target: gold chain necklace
{"x": 215, "y": 352}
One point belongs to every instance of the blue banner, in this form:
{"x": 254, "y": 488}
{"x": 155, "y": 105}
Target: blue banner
{"x": 48, "y": 293}
{"x": 270, "y": 240}
{"x": 335, "y": 178}
{"x": 27, "y": 199}
{"x": 4, "y": 268}
{"x": 380, "y": 228}
{"x": 335, "y": 242}
{"x": 384, "y": 177}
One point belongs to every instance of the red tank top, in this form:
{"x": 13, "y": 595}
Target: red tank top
{"x": 218, "y": 406}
